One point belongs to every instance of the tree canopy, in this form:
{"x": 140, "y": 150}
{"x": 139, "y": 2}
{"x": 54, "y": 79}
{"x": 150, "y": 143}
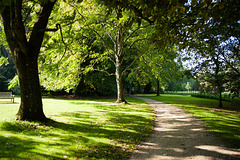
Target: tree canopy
{"x": 68, "y": 42}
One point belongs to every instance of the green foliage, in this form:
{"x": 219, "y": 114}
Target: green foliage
{"x": 7, "y": 70}
{"x": 225, "y": 96}
{"x": 79, "y": 129}
{"x": 14, "y": 82}
{"x": 214, "y": 46}
{"x": 63, "y": 52}
{"x": 162, "y": 65}
{"x": 3, "y": 61}
{"x": 87, "y": 44}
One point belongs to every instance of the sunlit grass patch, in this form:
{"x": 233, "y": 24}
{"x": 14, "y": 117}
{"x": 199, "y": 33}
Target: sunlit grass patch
{"x": 224, "y": 122}
{"x": 78, "y": 130}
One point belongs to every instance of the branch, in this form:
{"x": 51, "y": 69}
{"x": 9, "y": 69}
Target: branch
{"x": 91, "y": 28}
{"x": 53, "y": 29}
{"x": 235, "y": 69}
{"x": 109, "y": 74}
{"x": 138, "y": 12}
{"x": 135, "y": 42}
{"x": 102, "y": 39}
{"x": 134, "y": 32}
{"x": 40, "y": 25}
{"x": 110, "y": 37}
{"x": 136, "y": 59}
{"x": 110, "y": 57}
{"x": 130, "y": 47}
{"x": 18, "y": 26}
{"x": 6, "y": 19}
{"x": 29, "y": 12}
{"x": 112, "y": 60}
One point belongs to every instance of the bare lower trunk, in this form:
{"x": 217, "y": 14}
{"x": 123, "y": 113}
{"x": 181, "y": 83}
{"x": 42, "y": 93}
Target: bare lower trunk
{"x": 158, "y": 88}
{"x": 139, "y": 88}
{"x": 120, "y": 92}
{"x": 220, "y": 96}
{"x": 31, "y": 101}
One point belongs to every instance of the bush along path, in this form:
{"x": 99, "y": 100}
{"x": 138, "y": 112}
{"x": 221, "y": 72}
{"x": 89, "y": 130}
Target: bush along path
{"x": 178, "y": 135}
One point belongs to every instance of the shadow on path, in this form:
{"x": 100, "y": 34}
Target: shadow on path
{"x": 178, "y": 135}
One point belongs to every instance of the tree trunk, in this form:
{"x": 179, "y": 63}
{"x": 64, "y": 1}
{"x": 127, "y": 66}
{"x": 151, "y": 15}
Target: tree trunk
{"x": 158, "y": 88}
{"x": 31, "y": 100}
{"x": 139, "y": 89}
{"x": 147, "y": 88}
{"x": 118, "y": 64}
{"x": 120, "y": 92}
{"x": 25, "y": 52}
{"x": 220, "y": 96}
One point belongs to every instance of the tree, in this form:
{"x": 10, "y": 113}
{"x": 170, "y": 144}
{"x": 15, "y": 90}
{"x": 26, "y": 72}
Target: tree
{"x": 210, "y": 66}
{"x": 25, "y": 27}
{"x": 25, "y": 41}
{"x": 118, "y": 32}
{"x": 157, "y": 66}
{"x": 229, "y": 52}
{"x": 188, "y": 87}
{"x": 214, "y": 33}
{"x": 172, "y": 20}
{"x": 117, "y": 20}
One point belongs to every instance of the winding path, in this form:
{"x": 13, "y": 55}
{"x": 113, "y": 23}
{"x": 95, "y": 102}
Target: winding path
{"x": 178, "y": 135}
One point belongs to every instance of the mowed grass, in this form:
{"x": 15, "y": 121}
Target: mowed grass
{"x": 80, "y": 129}
{"x": 223, "y": 122}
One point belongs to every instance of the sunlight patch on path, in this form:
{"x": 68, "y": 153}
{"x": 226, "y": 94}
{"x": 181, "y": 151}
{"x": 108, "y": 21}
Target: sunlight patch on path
{"x": 178, "y": 135}
{"x": 220, "y": 149}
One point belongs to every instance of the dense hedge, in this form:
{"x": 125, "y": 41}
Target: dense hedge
{"x": 225, "y": 96}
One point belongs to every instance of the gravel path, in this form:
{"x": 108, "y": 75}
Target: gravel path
{"x": 178, "y": 135}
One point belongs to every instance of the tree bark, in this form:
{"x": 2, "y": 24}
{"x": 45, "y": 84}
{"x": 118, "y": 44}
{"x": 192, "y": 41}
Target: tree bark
{"x": 120, "y": 91}
{"x": 139, "y": 89}
{"x": 31, "y": 101}
{"x": 220, "y": 96}
{"x": 25, "y": 53}
{"x": 158, "y": 88}
{"x": 118, "y": 64}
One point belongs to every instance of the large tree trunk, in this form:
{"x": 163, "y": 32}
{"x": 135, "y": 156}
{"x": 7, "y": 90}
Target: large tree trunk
{"x": 31, "y": 100}
{"x": 25, "y": 52}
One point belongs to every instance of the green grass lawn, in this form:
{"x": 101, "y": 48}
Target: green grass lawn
{"x": 223, "y": 122}
{"x": 81, "y": 129}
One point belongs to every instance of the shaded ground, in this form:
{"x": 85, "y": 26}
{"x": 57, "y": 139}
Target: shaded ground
{"x": 178, "y": 135}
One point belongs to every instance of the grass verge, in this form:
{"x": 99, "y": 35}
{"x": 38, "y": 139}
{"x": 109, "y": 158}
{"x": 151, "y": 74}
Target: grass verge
{"x": 224, "y": 122}
{"x": 80, "y": 129}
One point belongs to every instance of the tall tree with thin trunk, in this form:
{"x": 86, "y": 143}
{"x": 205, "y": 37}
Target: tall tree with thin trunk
{"x": 118, "y": 32}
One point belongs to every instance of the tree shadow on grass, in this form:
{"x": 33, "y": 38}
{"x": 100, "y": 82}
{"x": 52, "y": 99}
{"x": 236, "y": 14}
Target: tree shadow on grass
{"x": 85, "y": 135}
{"x": 118, "y": 126}
{"x": 101, "y": 151}
{"x": 9, "y": 145}
{"x": 12, "y": 147}
{"x": 123, "y": 131}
